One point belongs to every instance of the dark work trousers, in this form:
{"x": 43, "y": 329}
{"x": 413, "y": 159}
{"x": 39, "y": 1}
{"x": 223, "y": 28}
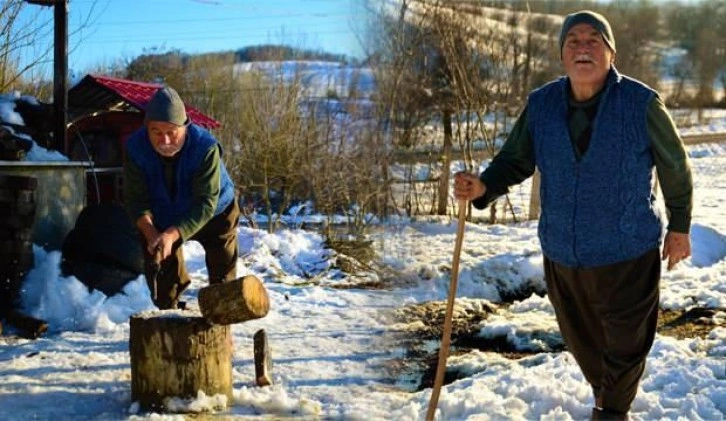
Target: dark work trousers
{"x": 607, "y": 316}
{"x": 219, "y": 240}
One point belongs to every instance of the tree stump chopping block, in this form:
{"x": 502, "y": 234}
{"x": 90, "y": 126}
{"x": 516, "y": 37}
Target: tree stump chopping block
{"x": 235, "y": 301}
{"x": 176, "y": 354}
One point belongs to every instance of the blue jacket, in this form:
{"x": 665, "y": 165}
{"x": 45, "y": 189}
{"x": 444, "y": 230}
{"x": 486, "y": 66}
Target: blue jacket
{"x": 169, "y": 210}
{"x": 599, "y": 209}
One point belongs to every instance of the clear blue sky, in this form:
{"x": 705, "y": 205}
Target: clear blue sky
{"x": 122, "y": 29}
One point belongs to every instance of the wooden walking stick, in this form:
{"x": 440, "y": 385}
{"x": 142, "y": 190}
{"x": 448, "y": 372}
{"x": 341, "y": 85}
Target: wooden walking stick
{"x": 446, "y": 336}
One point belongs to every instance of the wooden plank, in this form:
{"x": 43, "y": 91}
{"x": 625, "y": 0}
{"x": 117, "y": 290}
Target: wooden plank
{"x": 695, "y": 139}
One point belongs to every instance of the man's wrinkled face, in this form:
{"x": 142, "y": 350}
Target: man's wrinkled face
{"x": 166, "y": 138}
{"x": 585, "y": 55}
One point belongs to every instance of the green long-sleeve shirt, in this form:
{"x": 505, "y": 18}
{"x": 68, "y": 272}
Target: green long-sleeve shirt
{"x": 205, "y": 190}
{"x": 515, "y": 161}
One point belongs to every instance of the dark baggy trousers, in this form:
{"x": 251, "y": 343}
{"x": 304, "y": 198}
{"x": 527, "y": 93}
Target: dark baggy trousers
{"x": 219, "y": 240}
{"x": 607, "y": 316}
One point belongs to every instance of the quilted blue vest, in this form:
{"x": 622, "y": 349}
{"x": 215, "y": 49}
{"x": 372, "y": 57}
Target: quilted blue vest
{"x": 600, "y": 209}
{"x": 168, "y": 210}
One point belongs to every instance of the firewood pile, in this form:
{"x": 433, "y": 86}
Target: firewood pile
{"x": 18, "y": 135}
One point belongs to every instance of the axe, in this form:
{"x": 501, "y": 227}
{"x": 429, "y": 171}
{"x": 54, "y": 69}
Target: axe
{"x": 155, "y": 268}
{"x": 446, "y": 336}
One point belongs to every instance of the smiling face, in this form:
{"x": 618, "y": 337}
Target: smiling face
{"x": 586, "y": 59}
{"x": 166, "y": 138}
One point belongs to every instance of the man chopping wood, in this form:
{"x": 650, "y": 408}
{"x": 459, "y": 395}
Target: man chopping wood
{"x": 176, "y": 188}
{"x": 596, "y": 137}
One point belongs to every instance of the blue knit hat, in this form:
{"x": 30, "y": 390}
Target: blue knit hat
{"x": 591, "y": 18}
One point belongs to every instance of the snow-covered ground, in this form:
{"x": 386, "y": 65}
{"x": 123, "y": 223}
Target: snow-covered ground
{"x": 334, "y": 350}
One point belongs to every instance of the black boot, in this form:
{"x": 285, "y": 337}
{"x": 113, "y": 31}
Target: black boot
{"x": 600, "y": 414}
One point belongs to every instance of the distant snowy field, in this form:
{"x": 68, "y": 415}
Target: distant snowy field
{"x": 318, "y": 78}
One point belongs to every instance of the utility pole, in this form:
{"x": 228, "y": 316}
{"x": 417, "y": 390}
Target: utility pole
{"x": 60, "y": 69}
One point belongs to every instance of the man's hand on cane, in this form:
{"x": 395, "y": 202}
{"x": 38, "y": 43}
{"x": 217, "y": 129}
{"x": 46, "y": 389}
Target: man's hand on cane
{"x": 468, "y": 186}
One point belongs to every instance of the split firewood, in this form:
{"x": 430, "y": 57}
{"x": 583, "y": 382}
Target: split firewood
{"x": 263, "y": 359}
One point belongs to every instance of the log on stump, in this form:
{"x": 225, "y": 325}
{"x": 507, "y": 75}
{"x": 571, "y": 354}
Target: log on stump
{"x": 175, "y": 354}
{"x": 235, "y": 301}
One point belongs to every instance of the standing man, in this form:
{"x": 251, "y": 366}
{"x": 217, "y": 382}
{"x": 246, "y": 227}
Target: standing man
{"x": 176, "y": 188}
{"x": 595, "y": 136}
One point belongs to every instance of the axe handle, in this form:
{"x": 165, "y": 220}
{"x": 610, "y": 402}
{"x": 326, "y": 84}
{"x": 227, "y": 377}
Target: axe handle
{"x": 154, "y": 292}
{"x": 156, "y": 268}
{"x": 446, "y": 336}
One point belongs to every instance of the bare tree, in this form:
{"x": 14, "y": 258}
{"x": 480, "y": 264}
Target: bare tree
{"x": 491, "y": 57}
{"x": 158, "y": 65}
{"x": 636, "y": 27}
{"x": 700, "y": 30}
{"x": 21, "y": 47}
{"x": 27, "y": 45}
{"x": 264, "y": 135}
{"x": 402, "y": 90}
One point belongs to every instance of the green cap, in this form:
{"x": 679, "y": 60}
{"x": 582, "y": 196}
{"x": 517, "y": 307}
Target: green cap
{"x": 591, "y": 18}
{"x": 167, "y": 106}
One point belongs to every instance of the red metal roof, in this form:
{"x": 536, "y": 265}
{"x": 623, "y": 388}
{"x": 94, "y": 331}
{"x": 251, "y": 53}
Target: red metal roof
{"x": 96, "y": 92}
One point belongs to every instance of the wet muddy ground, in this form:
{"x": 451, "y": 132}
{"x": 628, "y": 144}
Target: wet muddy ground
{"x": 422, "y": 325}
